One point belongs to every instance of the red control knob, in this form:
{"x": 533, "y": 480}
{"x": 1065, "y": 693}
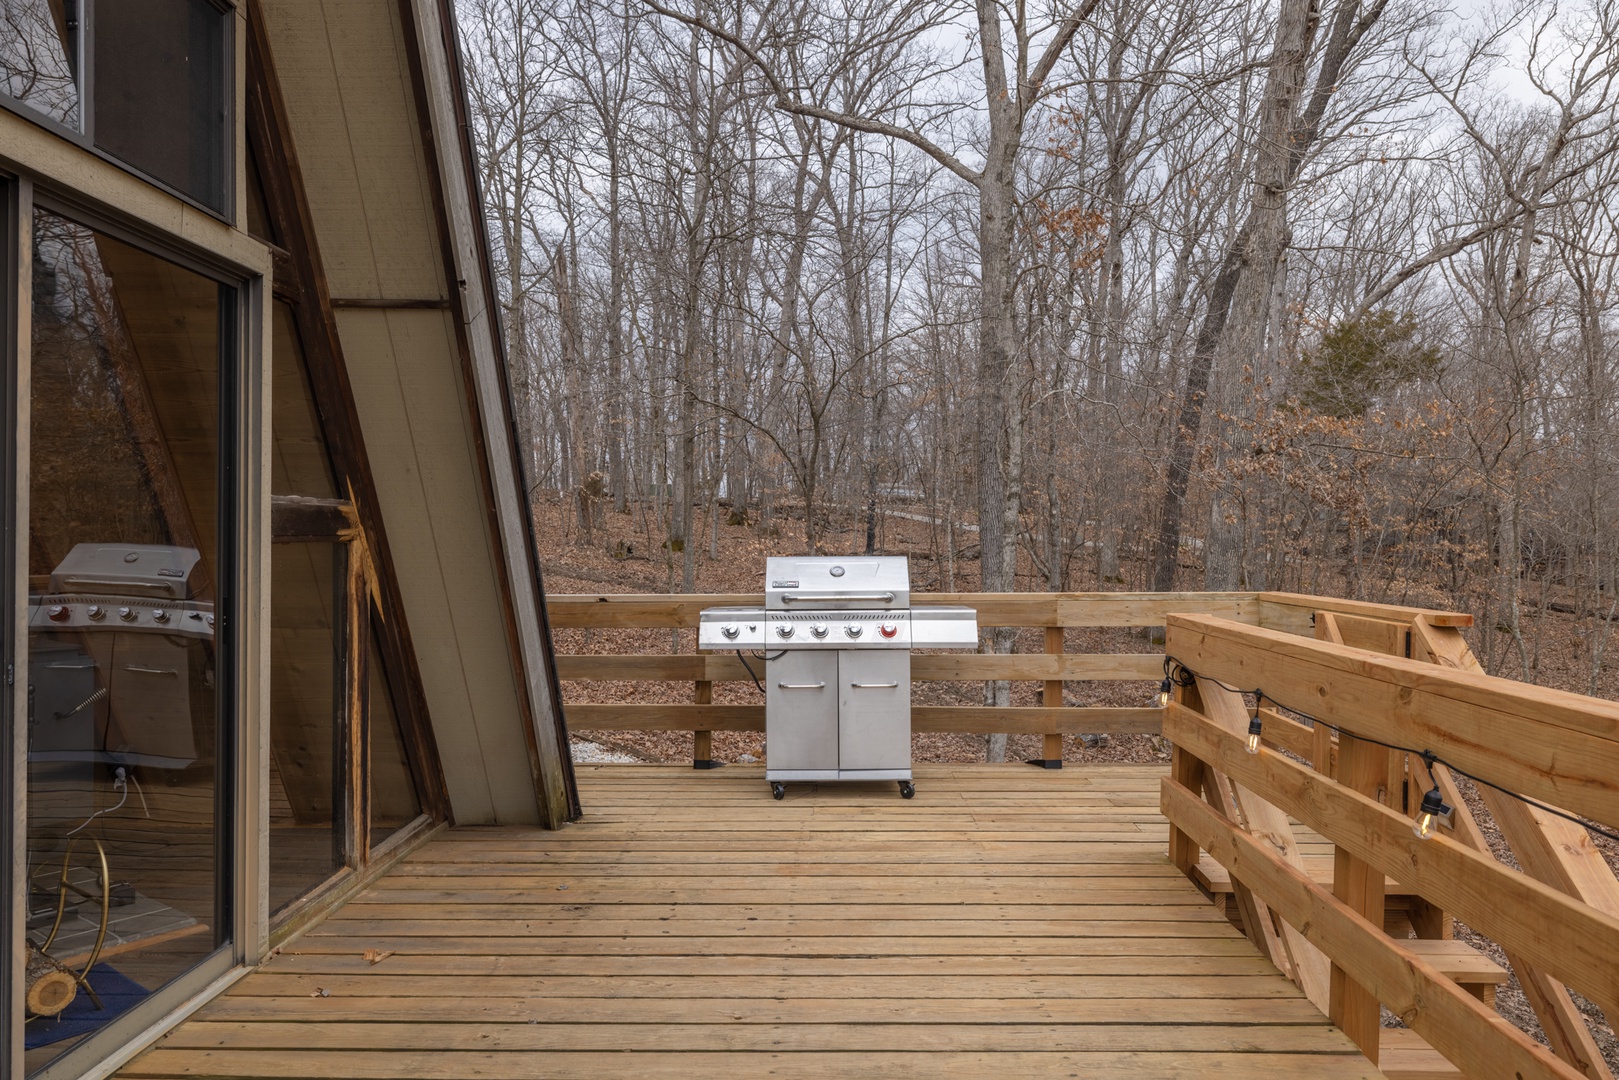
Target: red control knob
{"x": 888, "y": 630}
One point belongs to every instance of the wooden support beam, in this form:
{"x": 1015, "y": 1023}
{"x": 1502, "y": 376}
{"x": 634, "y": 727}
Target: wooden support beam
{"x": 296, "y": 520}
{"x": 1051, "y": 698}
{"x": 1187, "y": 771}
{"x": 1391, "y": 612}
{"x": 702, "y": 741}
{"x": 1565, "y": 1027}
{"x": 1323, "y": 746}
{"x": 1257, "y": 923}
{"x": 1473, "y": 1037}
{"x": 1226, "y": 710}
{"x": 1565, "y": 937}
{"x": 973, "y": 719}
{"x": 939, "y": 667}
{"x": 1362, "y": 767}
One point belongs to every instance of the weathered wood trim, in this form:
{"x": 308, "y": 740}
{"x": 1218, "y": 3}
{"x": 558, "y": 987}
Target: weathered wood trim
{"x": 295, "y": 519}
{"x": 270, "y": 141}
{"x": 446, "y": 137}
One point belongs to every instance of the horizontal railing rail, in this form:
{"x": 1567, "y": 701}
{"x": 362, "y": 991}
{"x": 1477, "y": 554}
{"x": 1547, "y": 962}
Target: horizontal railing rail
{"x": 1055, "y": 613}
{"x": 1383, "y": 725}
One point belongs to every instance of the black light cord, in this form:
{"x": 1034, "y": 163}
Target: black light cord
{"x": 749, "y": 668}
{"x": 1181, "y": 675}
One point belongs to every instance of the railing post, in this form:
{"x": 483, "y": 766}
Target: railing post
{"x": 1051, "y": 752}
{"x": 1362, "y": 766}
{"x": 702, "y": 742}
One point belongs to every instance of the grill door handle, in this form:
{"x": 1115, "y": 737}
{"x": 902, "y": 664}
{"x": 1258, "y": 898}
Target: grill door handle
{"x": 137, "y": 669}
{"x": 790, "y": 598}
{"x": 875, "y": 685}
{"x": 802, "y": 685}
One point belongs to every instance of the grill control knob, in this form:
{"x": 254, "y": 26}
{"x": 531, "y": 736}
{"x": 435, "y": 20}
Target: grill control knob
{"x": 59, "y": 613}
{"x": 96, "y": 611}
{"x": 854, "y": 631}
{"x": 730, "y": 631}
{"x": 127, "y": 614}
{"x": 818, "y": 630}
{"x": 160, "y": 615}
{"x": 784, "y": 631}
{"x": 888, "y": 630}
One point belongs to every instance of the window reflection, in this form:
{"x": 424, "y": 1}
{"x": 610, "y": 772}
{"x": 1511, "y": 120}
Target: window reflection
{"x": 39, "y": 45}
{"x": 306, "y": 789}
{"x": 123, "y": 840}
{"x": 394, "y": 799}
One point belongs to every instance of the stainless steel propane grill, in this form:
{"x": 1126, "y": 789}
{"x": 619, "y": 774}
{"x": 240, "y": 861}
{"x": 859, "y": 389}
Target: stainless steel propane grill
{"x": 835, "y": 636}
{"x": 121, "y": 661}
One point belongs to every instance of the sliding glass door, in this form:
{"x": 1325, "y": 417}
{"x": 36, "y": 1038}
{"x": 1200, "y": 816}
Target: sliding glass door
{"x": 131, "y": 564}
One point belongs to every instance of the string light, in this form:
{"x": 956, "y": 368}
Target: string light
{"x": 1175, "y": 674}
{"x": 1434, "y": 809}
{"x": 1256, "y": 728}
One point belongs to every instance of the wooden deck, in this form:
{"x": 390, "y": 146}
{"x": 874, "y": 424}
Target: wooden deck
{"x": 1007, "y": 922}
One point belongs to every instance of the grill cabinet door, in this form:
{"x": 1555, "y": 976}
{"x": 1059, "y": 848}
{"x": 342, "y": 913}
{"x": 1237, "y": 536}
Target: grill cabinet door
{"x": 874, "y": 723}
{"x": 801, "y": 711}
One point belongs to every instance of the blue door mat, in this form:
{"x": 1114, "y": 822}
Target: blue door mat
{"x": 117, "y": 992}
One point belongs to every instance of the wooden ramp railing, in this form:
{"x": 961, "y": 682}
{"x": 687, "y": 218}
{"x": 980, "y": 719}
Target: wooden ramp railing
{"x": 1054, "y": 613}
{"x": 1394, "y": 707}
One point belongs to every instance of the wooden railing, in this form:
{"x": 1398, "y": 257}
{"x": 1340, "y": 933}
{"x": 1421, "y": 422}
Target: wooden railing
{"x": 1407, "y": 688}
{"x": 1054, "y": 613}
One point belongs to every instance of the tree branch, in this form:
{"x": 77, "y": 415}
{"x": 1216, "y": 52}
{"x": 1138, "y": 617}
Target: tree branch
{"x": 787, "y": 102}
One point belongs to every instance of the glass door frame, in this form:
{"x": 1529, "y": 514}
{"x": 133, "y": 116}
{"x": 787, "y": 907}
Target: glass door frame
{"x": 14, "y": 273}
{"x": 241, "y": 663}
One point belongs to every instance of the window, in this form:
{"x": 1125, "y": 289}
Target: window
{"x": 144, "y": 81}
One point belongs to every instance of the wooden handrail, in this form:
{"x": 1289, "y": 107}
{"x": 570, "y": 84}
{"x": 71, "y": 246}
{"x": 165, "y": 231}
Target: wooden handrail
{"x": 1550, "y": 744}
{"x": 1055, "y": 613}
{"x": 1417, "y": 686}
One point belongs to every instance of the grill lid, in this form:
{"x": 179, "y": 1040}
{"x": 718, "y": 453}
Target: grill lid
{"x": 811, "y": 583}
{"x": 136, "y": 570}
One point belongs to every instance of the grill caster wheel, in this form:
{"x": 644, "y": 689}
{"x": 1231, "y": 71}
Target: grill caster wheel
{"x": 778, "y": 790}
{"x": 906, "y": 789}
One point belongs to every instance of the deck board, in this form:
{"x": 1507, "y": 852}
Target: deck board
{"x": 1005, "y": 922}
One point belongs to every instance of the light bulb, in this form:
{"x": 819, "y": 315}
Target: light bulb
{"x": 1433, "y": 811}
{"x": 1255, "y": 729}
{"x": 1163, "y": 692}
